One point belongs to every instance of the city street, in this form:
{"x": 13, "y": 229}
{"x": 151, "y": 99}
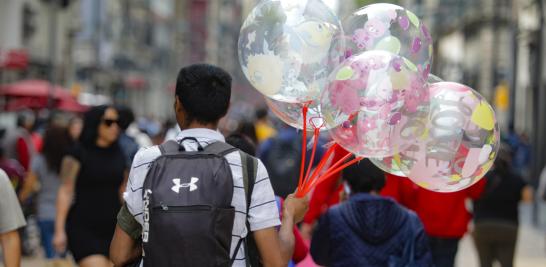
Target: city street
{"x": 531, "y": 248}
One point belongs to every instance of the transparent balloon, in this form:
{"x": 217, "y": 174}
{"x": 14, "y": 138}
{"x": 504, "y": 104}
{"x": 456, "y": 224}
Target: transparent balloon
{"x": 391, "y": 28}
{"x": 292, "y": 114}
{"x": 287, "y": 48}
{"x": 394, "y": 164}
{"x": 458, "y": 145}
{"x": 371, "y": 103}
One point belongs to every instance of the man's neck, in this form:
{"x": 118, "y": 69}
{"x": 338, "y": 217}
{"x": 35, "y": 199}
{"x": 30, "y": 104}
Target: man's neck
{"x": 196, "y": 125}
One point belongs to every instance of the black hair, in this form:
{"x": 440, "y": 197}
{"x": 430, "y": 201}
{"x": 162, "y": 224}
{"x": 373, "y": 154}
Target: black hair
{"x": 91, "y": 121}
{"x": 261, "y": 113}
{"x": 243, "y": 143}
{"x": 248, "y": 129}
{"x": 24, "y": 117}
{"x": 126, "y": 117}
{"x": 56, "y": 142}
{"x": 364, "y": 177}
{"x": 204, "y": 91}
{"x": 503, "y": 162}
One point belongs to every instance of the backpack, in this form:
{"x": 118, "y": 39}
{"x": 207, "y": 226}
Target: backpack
{"x": 283, "y": 161}
{"x": 188, "y": 217}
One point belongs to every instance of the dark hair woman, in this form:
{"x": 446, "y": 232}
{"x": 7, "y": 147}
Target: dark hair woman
{"x": 93, "y": 172}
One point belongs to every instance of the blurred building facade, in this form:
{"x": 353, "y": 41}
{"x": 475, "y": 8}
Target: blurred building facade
{"x": 496, "y": 47}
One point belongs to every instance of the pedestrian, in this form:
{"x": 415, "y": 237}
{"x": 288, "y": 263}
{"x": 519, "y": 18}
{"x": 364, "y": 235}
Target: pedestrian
{"x": 496, "y": 212}
{"x": 93, "y": 174}
{"x": 444, "y": 216}
{"x": 174, "y": 219}
{"x": 75, "y": 125}
{"x": 19, "y": 142}
{"x": 127, "y": 143}
{"x": 368, "y": 229}
{"x": 43, "y": 178}
{"x": 11, "y": 219}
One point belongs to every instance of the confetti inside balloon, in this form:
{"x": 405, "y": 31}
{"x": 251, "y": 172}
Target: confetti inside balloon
{"x": 370, "y": 102}
{"x": 287, "y": 48}
{"x": 459, "y": 143}
{"x": 391, "y": 28}
{"x": 398, "y": 164}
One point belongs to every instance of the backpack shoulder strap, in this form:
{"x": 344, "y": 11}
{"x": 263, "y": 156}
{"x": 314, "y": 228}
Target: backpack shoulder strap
{"x": 250, "y": 168}
{"x": 169, "y": 147}
{"x": 220, "y": 148}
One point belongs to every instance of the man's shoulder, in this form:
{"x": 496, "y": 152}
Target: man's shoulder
{"x": 4, "y": 179}
{"x": 146, "y": 155}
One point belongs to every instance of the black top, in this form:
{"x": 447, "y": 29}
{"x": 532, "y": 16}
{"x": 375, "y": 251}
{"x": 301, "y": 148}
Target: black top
{"x": 501, "y": 197}
{"x": 97, "y": 199}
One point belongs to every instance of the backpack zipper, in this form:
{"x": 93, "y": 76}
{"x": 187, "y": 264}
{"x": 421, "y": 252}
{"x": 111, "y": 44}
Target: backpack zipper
{"x": 165, "y": 208}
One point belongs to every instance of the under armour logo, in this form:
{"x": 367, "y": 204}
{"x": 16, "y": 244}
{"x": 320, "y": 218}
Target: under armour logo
{"x": 177, "y": 185}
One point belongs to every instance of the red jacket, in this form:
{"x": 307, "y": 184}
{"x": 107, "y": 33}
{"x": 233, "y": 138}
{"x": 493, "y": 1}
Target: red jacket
{"x": 443, "y": 214}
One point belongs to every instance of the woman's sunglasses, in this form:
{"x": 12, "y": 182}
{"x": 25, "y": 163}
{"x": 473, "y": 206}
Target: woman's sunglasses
{"x": 109, "y": 122}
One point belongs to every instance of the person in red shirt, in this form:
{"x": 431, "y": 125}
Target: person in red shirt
{"x": 444, "y": 215}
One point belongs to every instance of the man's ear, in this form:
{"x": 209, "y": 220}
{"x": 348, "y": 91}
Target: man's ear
{"x": 178, "y": 105}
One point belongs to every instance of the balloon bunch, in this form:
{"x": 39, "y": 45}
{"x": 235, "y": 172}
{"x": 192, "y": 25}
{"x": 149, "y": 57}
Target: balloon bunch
{"x": 367, "y": 81}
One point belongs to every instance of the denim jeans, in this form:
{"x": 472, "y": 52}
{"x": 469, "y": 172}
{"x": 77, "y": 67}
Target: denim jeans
{"x": 47, "y": 229}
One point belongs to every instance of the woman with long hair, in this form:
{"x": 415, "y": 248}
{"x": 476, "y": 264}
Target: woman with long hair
{"x": 44, "y": 171}
{"x": 93, "y": 173}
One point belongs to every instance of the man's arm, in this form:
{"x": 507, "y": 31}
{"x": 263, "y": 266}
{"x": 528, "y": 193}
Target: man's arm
{"x": 69, "y": 171}
{"x": 125, "y": 246}
{"x": 276, "y": 249}
{"x": 124, "y": 249}
{"x": 11, "y": 219}
{"x": 11, "y": 247}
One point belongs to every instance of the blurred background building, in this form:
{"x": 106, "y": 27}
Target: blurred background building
{"x": 129, "y": 51}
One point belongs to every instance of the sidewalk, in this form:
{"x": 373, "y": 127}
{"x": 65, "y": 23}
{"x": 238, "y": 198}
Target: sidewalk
{"x": 531, "y": 246}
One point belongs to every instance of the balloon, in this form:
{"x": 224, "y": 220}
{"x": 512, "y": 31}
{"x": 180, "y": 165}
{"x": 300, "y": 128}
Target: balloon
{"x": 393, "y": 164}
{"x": 371, "y": 102}
{"x": 291, "y": 114}
{"x": 391, "y": 28}
{"x": 287, "y": 48}
{"x": 458, "y": 145}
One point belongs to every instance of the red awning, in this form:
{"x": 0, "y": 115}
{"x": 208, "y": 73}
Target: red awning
{"x": 25, "y": 103}
{"x": 71, "y": 105}
{"x": 34, "y": 88}
{"x": 33, "y": 94}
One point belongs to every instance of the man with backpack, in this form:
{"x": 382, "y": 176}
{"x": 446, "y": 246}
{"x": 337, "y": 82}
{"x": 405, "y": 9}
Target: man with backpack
{"x": 193, "y": 201}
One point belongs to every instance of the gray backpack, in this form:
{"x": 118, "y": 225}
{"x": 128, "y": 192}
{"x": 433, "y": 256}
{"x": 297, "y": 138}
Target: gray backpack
{"x": 188, "y": 217}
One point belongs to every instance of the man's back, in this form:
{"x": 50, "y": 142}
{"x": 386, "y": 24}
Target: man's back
{"x": 262, "y": 213}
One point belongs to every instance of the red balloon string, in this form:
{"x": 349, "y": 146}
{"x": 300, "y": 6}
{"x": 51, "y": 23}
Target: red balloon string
{"x": 315, "y": 177}
{"x": 304, "y": 110}
{"x": 316, "y": 133}
{"x": 319, "y": 167}
{"x": 330, "y": 174}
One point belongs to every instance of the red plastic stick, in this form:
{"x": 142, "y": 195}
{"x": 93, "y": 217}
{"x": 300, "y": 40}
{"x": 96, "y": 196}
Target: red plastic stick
{"x": 303, "y": 146}
{"x": 332, "y": 167}
{"x": 319, "y": 167}
{"x": 330, "y": 174}
{"x": 312, "y": 158}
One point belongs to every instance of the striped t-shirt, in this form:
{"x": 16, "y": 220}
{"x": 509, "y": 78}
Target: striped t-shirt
{"x": 263, "y": 211}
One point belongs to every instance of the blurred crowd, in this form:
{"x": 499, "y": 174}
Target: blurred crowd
{"x": 35, "y": 154}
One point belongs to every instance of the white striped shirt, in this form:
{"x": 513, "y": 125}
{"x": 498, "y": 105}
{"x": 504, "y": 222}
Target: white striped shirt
{"x": 263, "y": 212}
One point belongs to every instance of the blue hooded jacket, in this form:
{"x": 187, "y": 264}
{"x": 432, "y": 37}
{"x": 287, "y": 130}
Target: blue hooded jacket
{"x": 369, "y": 230}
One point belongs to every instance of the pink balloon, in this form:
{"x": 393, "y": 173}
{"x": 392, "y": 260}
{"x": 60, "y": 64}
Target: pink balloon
{"x": 458, "y": 146}
{"x": 370, "y": 99}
